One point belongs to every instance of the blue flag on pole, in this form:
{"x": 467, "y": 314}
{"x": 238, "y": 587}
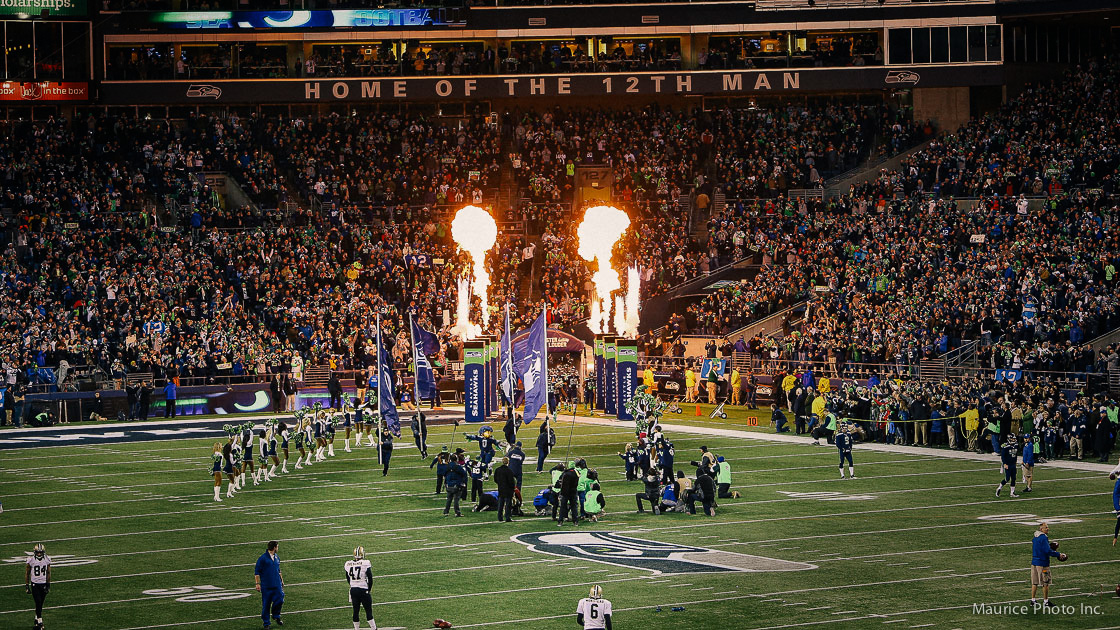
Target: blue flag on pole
{"x": 423, "y": 344}
{"x": 506, "y": 352}
{"x": 386, "y": 402}
{"x": 530, "y": 359}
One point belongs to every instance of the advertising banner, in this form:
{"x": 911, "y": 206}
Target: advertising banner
{"x": 355, "y": 19}
{"x": 474, "y": 377}
{"x": 610, "y": 398}
{"x": 40, "y": 91}
{"x": 35, "y": 8}
{"x": 626, "y": 366}
{"x": 600, "y": 367}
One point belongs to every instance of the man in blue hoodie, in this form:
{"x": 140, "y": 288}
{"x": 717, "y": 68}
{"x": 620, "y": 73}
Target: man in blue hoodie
{"x": 1041, "y": 552}
{"x": 171, "y": 393}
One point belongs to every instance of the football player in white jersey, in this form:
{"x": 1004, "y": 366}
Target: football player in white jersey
{"x": 594, "y": 612}
{"x": 360, "y": 576}
{"x": 37, "y": 580}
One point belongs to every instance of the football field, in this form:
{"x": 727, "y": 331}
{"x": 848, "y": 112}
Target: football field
{"x": 918, "y": 540}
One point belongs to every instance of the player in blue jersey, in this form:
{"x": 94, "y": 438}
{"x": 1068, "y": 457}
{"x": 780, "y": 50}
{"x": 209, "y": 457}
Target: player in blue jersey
{"x": 1008, "y": 456}
{"x": 843, "y": 440}
{"x": 386, "y": 447}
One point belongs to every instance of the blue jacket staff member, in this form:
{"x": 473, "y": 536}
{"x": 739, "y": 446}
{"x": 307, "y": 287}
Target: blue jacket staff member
{"x": 270, "y": 583}
{"x": 778, "y": 419}
{"x": 1041, "y": 552}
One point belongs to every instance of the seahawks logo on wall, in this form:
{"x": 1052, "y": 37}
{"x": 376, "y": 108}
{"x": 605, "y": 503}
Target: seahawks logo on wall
{"x": 649, "y": 555}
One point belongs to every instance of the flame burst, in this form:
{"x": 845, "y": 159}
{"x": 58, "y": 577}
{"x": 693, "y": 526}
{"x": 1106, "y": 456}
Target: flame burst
{"x": 463, "y": 327}
{"x": 475, "y": 232}
{"x": 632, "y": 318}
{"x": 601, "y": 228}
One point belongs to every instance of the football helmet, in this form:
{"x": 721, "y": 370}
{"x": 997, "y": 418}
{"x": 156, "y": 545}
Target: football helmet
{"x": 39, "y": 551}
{"x": 359, "y": 552}
{"x": 596, "y": 592}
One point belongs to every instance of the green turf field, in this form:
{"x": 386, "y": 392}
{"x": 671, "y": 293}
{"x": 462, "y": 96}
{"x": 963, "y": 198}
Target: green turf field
{"x": 915, "y": 541}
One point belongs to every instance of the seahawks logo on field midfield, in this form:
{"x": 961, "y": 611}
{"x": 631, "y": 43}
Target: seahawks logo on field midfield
{"x": 648, "y": 555}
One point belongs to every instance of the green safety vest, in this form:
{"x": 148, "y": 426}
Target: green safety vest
{"x": 556, "y": 477}
{"x": 723, "y": 475}
{"x": 830, "y": 422}
{"x": 584, "y": 483}
{"x": 591, "y": 502}
{"x": 993, "y": 427}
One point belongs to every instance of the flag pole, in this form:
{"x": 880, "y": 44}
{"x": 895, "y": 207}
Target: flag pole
{"x": 507, "y": 376}
{"x": 415, "y": 366}
{"x": 380, "y": 384}
{"x": 549, "y": 383}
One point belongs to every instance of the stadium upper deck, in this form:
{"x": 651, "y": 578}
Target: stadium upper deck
{"x": 177, "y": 52}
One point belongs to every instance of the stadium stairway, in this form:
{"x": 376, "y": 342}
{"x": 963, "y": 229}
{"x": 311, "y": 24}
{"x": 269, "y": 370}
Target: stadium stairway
{"x": 508, "y": 190}
{"x": 870, "y": 171}
{"x": 527, "y": 285}
{"x": 316, "y": 376}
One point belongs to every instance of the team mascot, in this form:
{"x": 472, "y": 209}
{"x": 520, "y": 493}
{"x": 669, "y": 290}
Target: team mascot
{"x": 486, "y": 443}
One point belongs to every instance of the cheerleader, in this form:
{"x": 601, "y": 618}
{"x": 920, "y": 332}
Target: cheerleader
{"x": 320, "y": 436}
{"x": 237, "y": 455}
{"x": 227, "y": 467}
{"x": 370, "y": 416}
{"x": 300, "y": 440}
{"x": 329, "y": 420}
{"x": 309, "y": 439}
{"x": 282, "y": 430}
{"x": 359, "y": 420}
{"x": 267, "y": 441}
{"x": 248, "y": 441}
{"x": 216, "y": 470}
{"x": 347, "y": 409}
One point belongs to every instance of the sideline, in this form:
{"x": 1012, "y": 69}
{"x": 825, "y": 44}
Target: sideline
{"x": 787, "y": 438}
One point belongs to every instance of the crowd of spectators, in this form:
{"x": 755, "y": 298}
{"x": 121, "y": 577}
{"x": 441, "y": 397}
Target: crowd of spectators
{"x": 973, "y": 413}
{"x": 1056, "y": 135}
{"x": 762, "y": 152}
{"x": 890, "y": 274}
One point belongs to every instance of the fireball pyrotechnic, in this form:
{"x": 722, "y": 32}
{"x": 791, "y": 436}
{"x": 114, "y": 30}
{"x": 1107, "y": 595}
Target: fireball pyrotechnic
{"x": 601, "y": 228}
{"x": 626, "y": 318}
{"x": 463, "y": 326}
{"x": 633, "y": 296}
{"x": 475, "y": 232}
